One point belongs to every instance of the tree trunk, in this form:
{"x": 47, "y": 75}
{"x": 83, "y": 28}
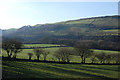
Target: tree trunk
{"x": 82, "y": 60}
{"x": 92, "y": 61}
{"x": 116, "y": 62}
{"x": 29, "y": 57}
{"x": 101, "y": 62}
{"x": 44, "y": 58}
{"x": 10, "y": 54}
{"x": 63, "y": 60}
{"x": 59, "y": 59}
{"x": 14, "y": 56}
{"x": 68, "y": 60}
{"x": 38, "y": 58}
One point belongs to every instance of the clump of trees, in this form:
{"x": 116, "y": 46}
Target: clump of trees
{"x": 38, "y": 52}
{"x": 107, "y": 58}
{"x": 12, "y": 47}
{"x": 93, "y": 58}
{"x": 45, "y": 54}
{"x": 64, "y": 54}
{"x": 41, "y": 52}
{"x": 83, "y": 51}
{"x": 116, "y": 57}
{"x": 101, "y": 57}
{"x": 30, "y": 55}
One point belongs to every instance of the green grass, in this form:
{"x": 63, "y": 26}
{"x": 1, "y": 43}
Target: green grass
{"x": 18, "y": 69}
{"x": 50, "y": 57}
{"x": 111, "y": 30}
{"x": 24, "y": 54}
{"x": 40, "y": 45}
{"x": 105, "y": 51}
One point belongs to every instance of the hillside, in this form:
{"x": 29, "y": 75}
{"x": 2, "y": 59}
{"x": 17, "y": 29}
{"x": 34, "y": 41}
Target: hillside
{"x": 71, "y": 29}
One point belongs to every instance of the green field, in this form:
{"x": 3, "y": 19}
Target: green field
{"x": 50, "y": 57}
{"x": 40, "y": 45}
{"x": 18, "y": 69}
{"x": 111, "y": 30}
{"x": 105, "y": 51}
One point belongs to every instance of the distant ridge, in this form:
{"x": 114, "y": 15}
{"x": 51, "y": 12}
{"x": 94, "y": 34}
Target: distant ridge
{"x": 70, "y": 29}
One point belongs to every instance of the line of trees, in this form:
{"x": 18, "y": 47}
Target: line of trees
{"x": 39, "y": 52}
{"x": 64, "y": 54}
{"x": 106, "y": 58}
{"x": 83, "y": 50}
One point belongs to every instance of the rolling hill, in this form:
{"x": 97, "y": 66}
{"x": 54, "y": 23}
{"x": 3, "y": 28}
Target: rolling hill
{"x": 71, "y": 29}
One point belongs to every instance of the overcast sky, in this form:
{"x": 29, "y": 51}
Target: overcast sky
{"x": 16, "y": 14}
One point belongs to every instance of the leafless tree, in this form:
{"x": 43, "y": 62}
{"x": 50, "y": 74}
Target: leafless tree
{"x": 101, "y": 57}
{"x": 93, "y": 58}
{"x": 83, "y": 51}
{"x": 12, "y": 46}
{"x": 57, "y": 56}
{"x": 116, "y": 57}
{"x": 45, "y": 54}
{"x": 108, "y": 58}
{"x": 64, "y": 54}
{"x": 30, "y": 55}
{"x": 38, "y": 52}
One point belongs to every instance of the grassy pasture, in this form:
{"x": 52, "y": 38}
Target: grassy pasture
{"x": 18, "y": 69}
{"x": 105, "y": 51}
{"x": 111, "y": 30}
{"x": 40, "y": 45}
{"x": 50, "y": 57}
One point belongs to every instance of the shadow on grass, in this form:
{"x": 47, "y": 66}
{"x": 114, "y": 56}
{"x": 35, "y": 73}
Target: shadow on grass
{"x": 38, "y": 75}
{"x": 111, "y": 69}
{"x": 13, "y": 72}
{"x": 27, "y": 60}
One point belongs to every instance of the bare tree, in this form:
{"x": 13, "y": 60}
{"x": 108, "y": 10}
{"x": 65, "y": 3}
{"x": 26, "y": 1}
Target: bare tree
{"x": 30, "y": 55}
{"x": 93, "y": 58}
{"x": 108, "y": 58}
{"x": 56, "y": 55}
{"x": 83, "y": 51}
{"x": 41, "y": 51}
{"x": 63, "y": 54}
{"x": 12, "y": 46}
{"x": 101, "y": 57}
{"x": 38, "y": 52}
{"x": 116, "y": 57}
{"x": 45, "y": 54}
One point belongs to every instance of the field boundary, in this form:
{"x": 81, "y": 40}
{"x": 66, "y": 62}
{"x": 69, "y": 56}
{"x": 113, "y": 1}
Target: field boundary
{"x": 43, "y": 47}
{"x": 27, "y": 60}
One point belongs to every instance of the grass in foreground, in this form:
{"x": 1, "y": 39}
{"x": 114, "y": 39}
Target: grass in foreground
{"x": 18, "y": 69}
